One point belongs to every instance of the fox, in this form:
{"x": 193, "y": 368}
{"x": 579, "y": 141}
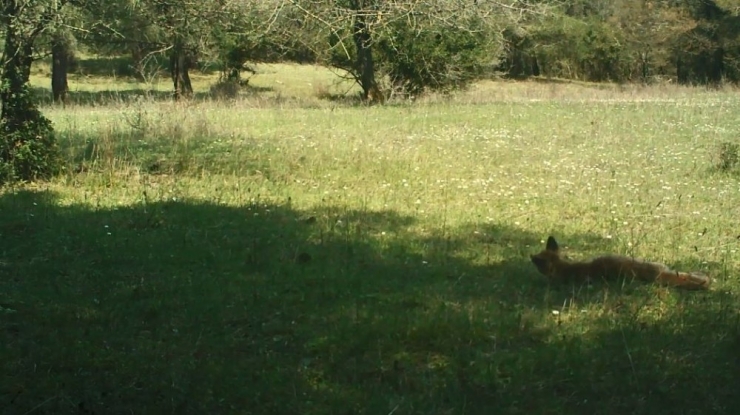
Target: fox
{"x": 551, "y": 264}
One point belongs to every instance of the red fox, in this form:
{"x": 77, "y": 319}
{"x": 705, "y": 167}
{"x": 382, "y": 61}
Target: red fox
{"x": 552, "y": 265}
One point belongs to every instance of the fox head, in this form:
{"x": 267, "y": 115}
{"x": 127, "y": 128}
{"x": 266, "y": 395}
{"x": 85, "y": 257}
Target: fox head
{"x": 545, "y": 261}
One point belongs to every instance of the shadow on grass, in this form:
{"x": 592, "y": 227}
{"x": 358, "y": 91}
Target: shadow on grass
{"x": 196, "y": 307}
{"x": 103, "y": 97}
{"x": 124, "y": 66}
{"x": 44, "y": 96}
{"x": 120, "y": 66}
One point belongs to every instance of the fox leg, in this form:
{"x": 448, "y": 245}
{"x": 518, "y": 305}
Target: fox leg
{"x": 689, "y": 280}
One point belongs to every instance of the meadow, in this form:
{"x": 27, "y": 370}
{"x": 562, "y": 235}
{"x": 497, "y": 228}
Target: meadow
{"x": 286, "y": 253}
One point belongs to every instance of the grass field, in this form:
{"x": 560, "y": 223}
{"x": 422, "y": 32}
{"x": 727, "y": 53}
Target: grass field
{"x": 283, "y": 254}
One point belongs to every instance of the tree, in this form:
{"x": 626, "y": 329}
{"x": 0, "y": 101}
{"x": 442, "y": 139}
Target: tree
{"x": 181, "y": 31}
{"x": 27, "y": 148}
{"x": 114, "y": 28}
{"x": 410, "y": 45}
{"x": 710, "y": 52}
{"x": 649, "y": 31}
{"x": 260, "y": 32}
{"x": 429, "y": 54}
{"x": 188, "y": 31}
{"x": 62, "y": 56}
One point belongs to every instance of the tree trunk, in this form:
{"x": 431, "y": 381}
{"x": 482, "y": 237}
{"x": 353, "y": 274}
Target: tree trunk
{"x": 680, "y": 75}
{"x": 61, "y": 55}
{"x": 179, "y": 65}
{"x": 365, "y": 64}
{"x": 717, "y": 69}
{"x": 645, "y": 66}
{"x": 137, "y": 59}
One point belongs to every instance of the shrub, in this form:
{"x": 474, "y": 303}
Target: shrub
{"x": 437, "y": 59}
{"x": 28, "y": 148}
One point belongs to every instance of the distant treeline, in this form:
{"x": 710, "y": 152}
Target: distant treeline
{"x": 404, "y": 47}
{"x": 687, "y": 41}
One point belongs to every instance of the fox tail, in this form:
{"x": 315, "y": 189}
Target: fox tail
{"x": 690, "y": 280}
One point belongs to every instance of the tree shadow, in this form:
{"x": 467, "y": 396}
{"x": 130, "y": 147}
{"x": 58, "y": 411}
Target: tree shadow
{"x": 109, "y": 66}
{"x": 198, "y": 307}
{"x": 43, "y": 95}
{"x": 123, "y": 66}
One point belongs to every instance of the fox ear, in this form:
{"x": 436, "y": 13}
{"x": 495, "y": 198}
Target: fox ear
{"x": 552, "y": 244}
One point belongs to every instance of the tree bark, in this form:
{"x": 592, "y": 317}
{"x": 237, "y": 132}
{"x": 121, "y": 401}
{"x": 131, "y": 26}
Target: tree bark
{"x": 365, "y": 64}
{"x": 137, "y": 59}
{"x": 61, "y": 55}
{"x": 180, "y": 62}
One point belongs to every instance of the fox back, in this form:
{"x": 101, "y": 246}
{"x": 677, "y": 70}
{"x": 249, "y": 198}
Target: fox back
{"x": 550, "y": 264}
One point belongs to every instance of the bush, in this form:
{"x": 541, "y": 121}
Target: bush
{"x": 437, "y": 60}
{"x": 28, "y": 149}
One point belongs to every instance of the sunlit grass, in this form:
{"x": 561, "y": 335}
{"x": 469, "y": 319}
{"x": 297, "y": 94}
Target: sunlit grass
{"x": 296, "y": 255}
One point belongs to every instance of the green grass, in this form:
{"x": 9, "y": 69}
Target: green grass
{"x": 284, "y": 254}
